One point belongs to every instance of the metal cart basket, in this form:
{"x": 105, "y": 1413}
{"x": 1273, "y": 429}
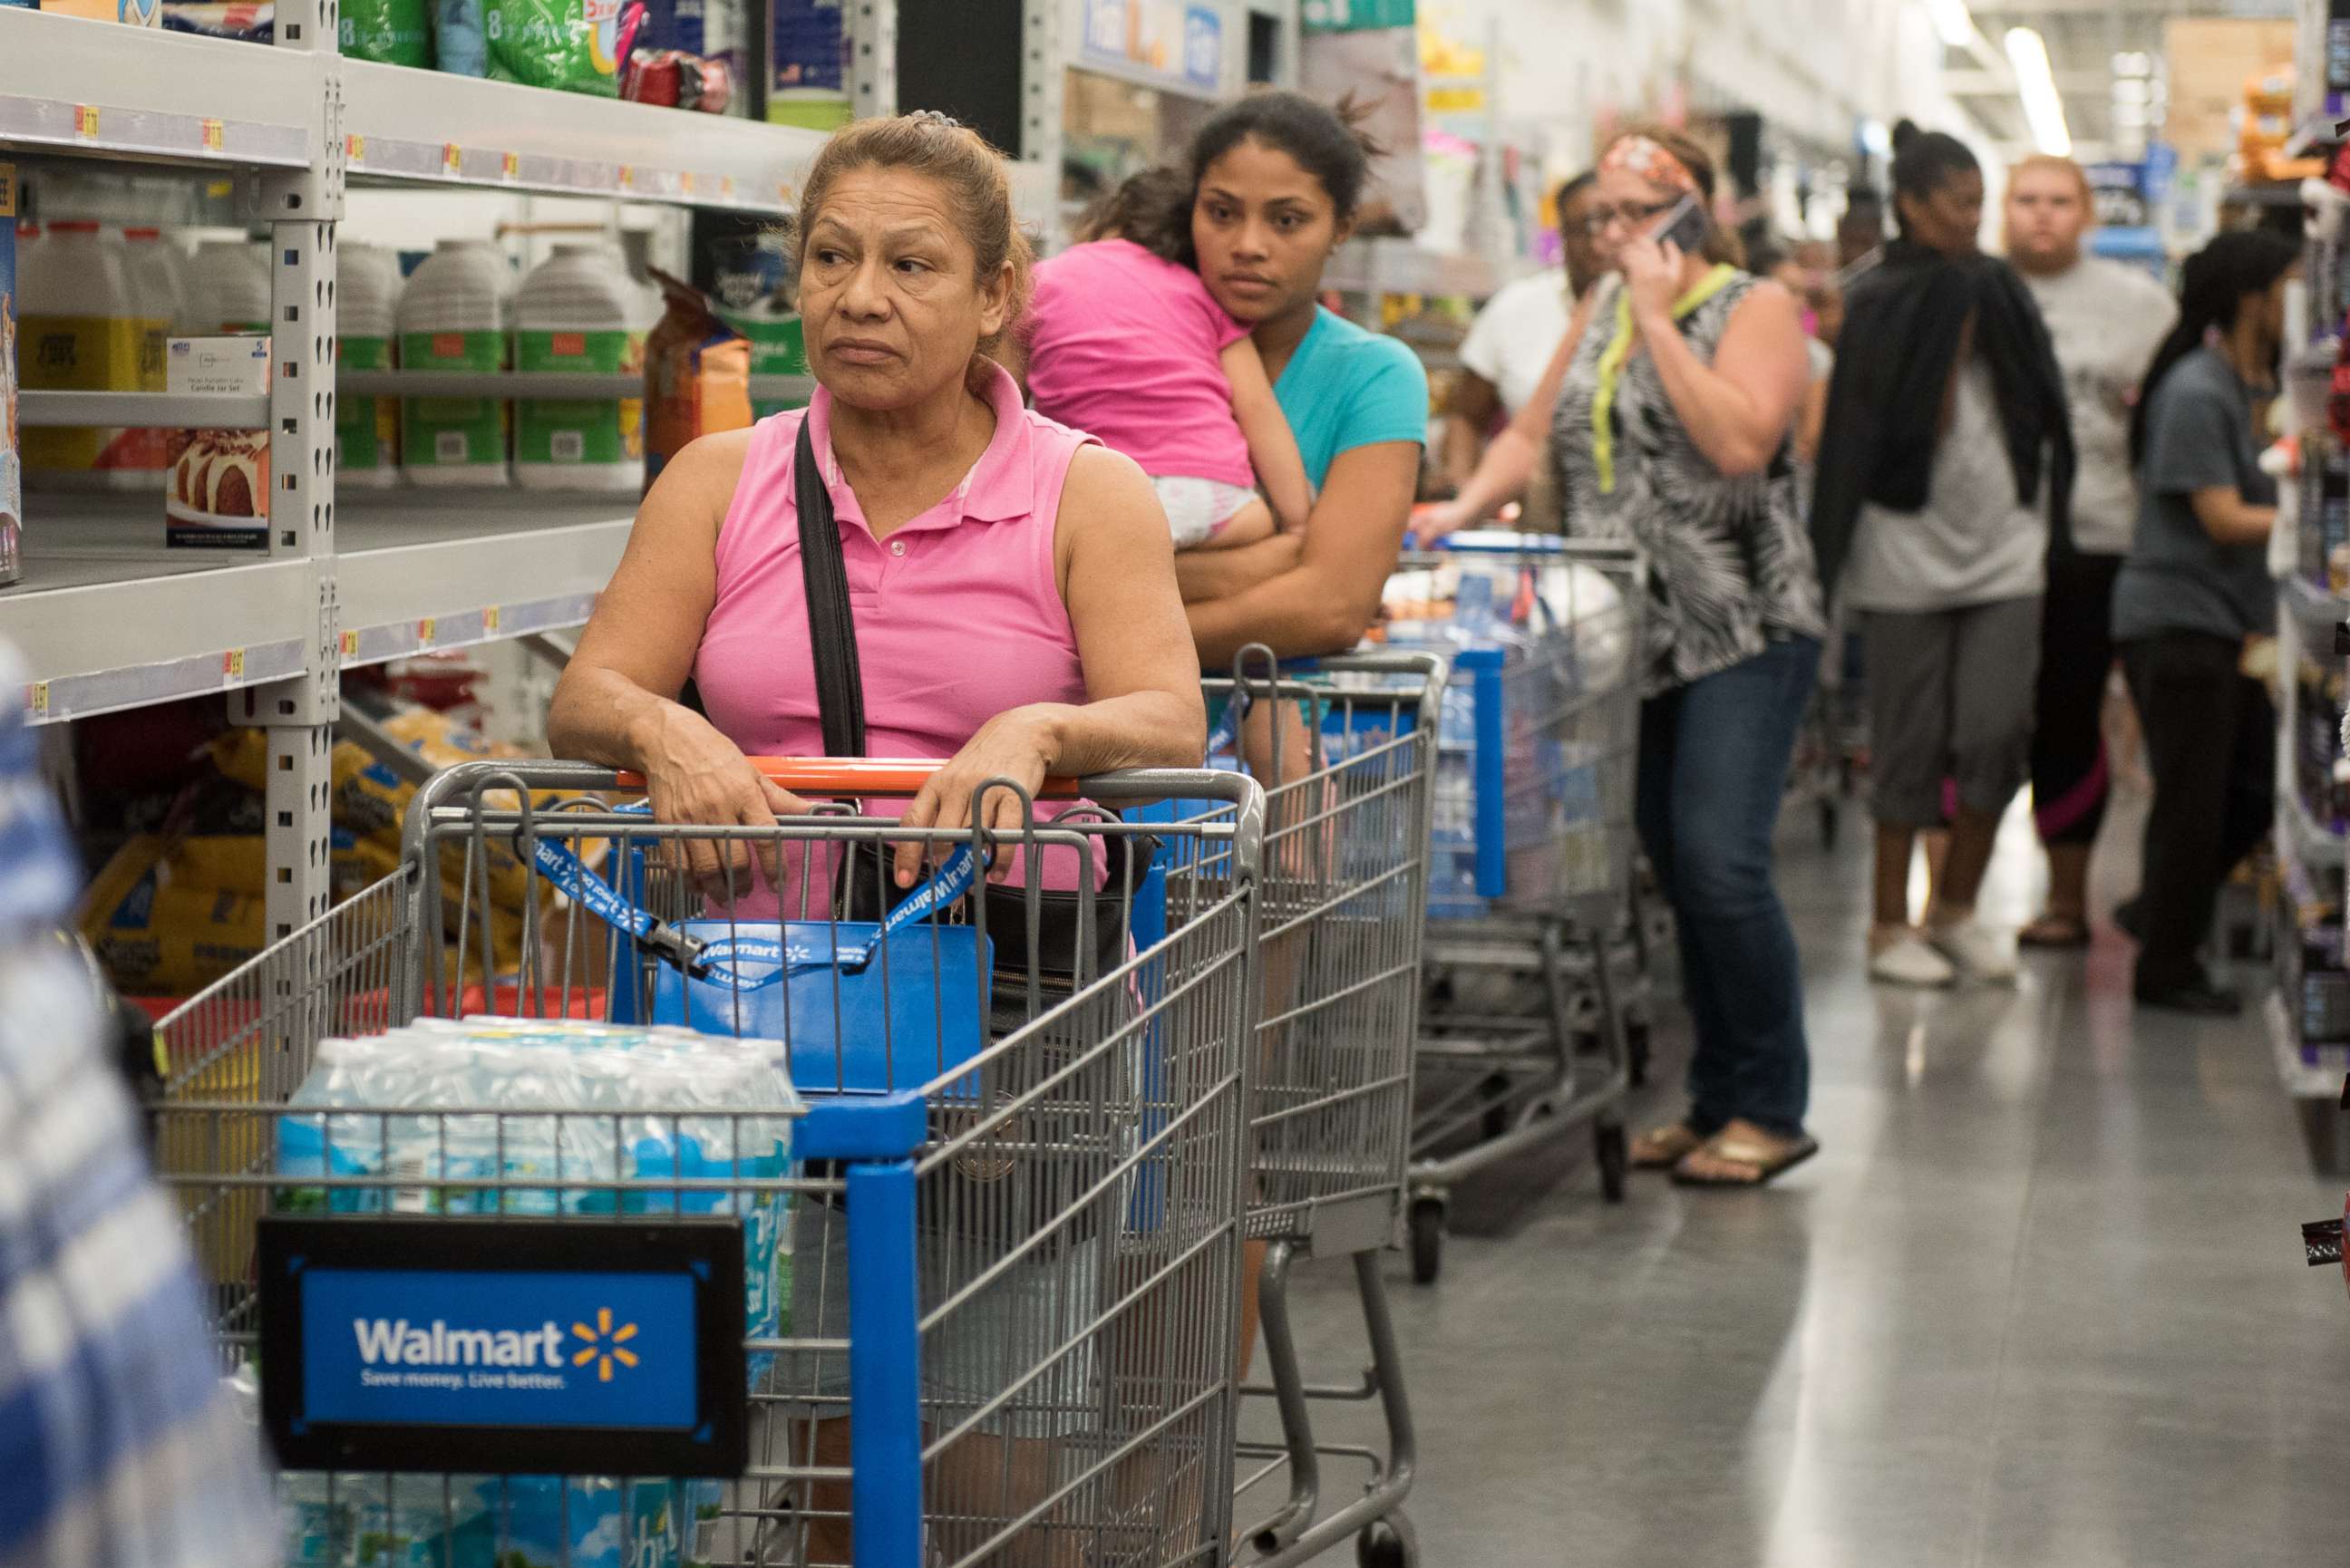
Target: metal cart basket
{"x": 1007, "y": 1237}
{"x": 1530, "y": 1019}
{"x": 1345, "y": 748}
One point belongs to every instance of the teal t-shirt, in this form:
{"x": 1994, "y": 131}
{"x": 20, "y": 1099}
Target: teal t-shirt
{"x": 1345, "y": 387}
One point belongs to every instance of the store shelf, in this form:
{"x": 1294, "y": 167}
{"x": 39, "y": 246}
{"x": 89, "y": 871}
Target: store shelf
{"x": 420, "y": 571}
{"x": 2279, "y": 194}
{"x": 536, "y": 384}
{"x": 1399, "y": 266}
{"x": 144, "y": 410}
{"x": 2307, "y": 1072}
{"x": 72, "y": 86}
{"x": 105, "y": 617}
{"x": 428, "y": 127}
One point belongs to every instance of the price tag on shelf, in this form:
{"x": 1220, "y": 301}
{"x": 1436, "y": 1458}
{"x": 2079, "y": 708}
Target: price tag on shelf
{"x": 36, "y": 698}
{"x": 349, "y": 644}
{"x": 510, "y": 166}
{"x": 452, "y": 159}
{"x": 628, "y": 178}
{"x": 726, "y": 187}
{"x": 490, "y": 621}
{"x": 685, "y": 182}
{"x": 233, "y": 664}
{"x": 355, "y": 149}
{"x": 86, "y": 121}
{"x": 425, "y": 628}
{"x": 214, "y": 134}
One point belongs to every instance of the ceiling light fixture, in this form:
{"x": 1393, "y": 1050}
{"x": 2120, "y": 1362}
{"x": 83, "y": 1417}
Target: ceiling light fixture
{"x": 1953, "y": 22}
{"x": 2028, "y": 52}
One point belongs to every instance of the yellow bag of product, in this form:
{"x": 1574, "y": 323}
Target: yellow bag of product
{"x": 160, "y": 933}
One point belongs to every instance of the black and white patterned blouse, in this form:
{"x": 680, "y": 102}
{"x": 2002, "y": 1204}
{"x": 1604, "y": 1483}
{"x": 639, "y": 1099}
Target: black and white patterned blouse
{"x": 1729, "y": 560}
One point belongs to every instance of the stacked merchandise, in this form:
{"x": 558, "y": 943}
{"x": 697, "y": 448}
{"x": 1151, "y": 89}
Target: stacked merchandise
{"x": 676, "y": 1104}
{"x": 84, "y": 329}
{"x": 455, "y": 314}
{"x": 577, "y": 315}
{"x": 12, "y": 494}
{"x": 367, "y": 429}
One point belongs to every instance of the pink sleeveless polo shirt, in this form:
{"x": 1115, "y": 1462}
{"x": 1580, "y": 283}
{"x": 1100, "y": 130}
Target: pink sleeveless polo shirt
{"x": 958, "y": 613}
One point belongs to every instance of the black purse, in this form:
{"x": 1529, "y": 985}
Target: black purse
{"x": 1066, "y": 953}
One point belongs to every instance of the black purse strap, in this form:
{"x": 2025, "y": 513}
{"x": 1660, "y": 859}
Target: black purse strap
{"x": 832, "y": 629}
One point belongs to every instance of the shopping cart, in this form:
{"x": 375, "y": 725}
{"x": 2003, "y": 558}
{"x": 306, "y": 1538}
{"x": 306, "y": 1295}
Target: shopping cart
{"x": 1009, "y": 1332}
{"x": 1345, "y": 748}
{"x": 1532, "y": 1008}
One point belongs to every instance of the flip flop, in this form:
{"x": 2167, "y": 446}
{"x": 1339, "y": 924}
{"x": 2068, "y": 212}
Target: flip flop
{"x": 2055, "y": 931}
{"x": 1768, "y": 1160}
{"x": 1663, "y": 1148}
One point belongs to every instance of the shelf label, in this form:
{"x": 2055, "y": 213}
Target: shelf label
{"x": 452, "y": 159}
{"x": 510, "y": 166}
{"x": 355, "y": 149}
{"x": 628, "y": 178}
{"x": 726, "y": 187}
{"x": 233, "y": 664}
{"x": 86, "y": 121}
{"x": 490, "y": 620}
{"x": 214, "y": 135}
{"x": 425, "y": 628}
{"x": 36, "y": 698}
{"x": 349, "y": 643}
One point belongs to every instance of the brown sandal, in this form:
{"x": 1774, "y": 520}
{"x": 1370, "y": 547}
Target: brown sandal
{"x": 1743, "y": 1144}
{"x": 2063, "y": 932}
{"x": 1661, "y": 1149}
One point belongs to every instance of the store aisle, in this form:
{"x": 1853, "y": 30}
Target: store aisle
{"x": 2040, "y": 1301}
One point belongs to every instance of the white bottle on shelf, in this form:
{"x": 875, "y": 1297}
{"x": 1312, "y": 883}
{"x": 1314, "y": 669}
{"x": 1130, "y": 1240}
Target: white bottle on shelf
{"x": 452, "y": 317}
{"x": 227, "y": 290}
{"x": 578, "y": 313}
{"x": 152, "y": 265}
{"x": 80, "y": 329}
{"x": 367, "y": 429}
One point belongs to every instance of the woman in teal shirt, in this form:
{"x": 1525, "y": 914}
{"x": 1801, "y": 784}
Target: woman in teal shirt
{"x": 1276, "y": 179}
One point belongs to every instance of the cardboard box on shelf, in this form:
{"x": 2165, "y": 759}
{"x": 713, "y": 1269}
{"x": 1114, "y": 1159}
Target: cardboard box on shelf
{"x": 217, "y": 495}
{"x": 2211, "y": 58}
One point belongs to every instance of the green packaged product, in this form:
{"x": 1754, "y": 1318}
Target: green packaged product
{"x": 367, "y": 429}
{"x": 388, "y": 32}
{"x": 568, "y": 44}
{"x": 579, "y": 430}
{"x": 778, "y": 347}
{"x": 452, "y": 433}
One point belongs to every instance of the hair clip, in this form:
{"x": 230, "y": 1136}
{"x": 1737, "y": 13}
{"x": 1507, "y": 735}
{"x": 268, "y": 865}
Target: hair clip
{"x": 935, "y": 116}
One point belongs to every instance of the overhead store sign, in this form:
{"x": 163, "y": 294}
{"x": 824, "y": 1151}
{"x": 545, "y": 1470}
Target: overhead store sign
{"x": 1355, "y": 15}
{"x": 1182, "y": 44}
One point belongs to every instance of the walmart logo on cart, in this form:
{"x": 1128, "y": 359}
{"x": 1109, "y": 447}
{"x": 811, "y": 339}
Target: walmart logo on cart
{"x": 396, "y": 1351}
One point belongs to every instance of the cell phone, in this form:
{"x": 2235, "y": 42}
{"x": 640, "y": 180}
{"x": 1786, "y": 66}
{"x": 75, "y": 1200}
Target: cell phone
{"x": 1686, "y": 226}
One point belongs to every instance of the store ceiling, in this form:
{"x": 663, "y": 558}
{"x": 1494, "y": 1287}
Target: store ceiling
{"x": 2082, "y": 38}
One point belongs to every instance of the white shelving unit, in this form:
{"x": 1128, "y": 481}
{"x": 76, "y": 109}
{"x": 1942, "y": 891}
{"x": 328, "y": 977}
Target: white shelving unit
{"x": 105, "y": 617}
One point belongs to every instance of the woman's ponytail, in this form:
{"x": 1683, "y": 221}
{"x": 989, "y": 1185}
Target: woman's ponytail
{"x": 2212, "y": 288}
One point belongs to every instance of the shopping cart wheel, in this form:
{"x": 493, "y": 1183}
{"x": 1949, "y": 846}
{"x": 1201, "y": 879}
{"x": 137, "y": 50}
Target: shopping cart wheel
{"x": 1607, "y": 1145}
{"x": 1427, "y": 1242}
{"x": 1388, "y": 1543}
{"x": 1635, "y": 1051}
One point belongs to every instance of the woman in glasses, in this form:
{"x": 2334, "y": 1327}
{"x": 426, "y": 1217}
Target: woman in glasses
{"x": 1670, "y": 408}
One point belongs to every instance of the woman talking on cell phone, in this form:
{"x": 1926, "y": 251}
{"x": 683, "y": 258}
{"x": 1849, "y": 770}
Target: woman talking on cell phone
{"x": 1671, "y": 405}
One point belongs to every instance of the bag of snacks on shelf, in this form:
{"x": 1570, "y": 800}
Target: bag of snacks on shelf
{"x": 573, "y": 44}
{"x": 390, "y": 32}
{"x": 697, "y": 374}
{"x": 460, "y": 42}
{"x": 247, "y": 21}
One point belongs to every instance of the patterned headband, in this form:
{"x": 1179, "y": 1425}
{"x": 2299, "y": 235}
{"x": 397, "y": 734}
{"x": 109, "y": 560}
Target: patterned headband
{"x": 1649, "y": 161}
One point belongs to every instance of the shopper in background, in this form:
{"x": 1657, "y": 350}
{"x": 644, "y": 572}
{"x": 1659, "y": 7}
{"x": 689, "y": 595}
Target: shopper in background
{"x": 1510, "y": 343}
{"x": 1126, "y": 343}
{"x": 1946, "y": 463}
{"x": 1276, "y": 181}
{"x": 2194, "y": 590}
{"x": 1670, "y": 406}
{"x": 2105, "y": 321}
{"x": 1860, "y": 233}
{"x": 1016, "y": 607}
{"x": 120, "y": 1444}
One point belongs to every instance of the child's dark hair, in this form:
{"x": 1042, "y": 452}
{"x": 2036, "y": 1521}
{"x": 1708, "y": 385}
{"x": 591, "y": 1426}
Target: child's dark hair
{"x": 1923, "y": 162}
{"x": 1152, "y": 209}
{"x": 2212, "y": 288}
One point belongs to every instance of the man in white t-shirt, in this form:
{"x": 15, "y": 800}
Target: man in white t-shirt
{"x": 1510, "y": 344}
{"x": 2106, "y": 319}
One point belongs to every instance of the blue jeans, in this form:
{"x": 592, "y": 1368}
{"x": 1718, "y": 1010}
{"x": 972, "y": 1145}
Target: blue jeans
{"x": 1713, "y": 767}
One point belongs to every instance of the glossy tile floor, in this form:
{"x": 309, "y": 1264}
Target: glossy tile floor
{"x": 2039, "y": 1300}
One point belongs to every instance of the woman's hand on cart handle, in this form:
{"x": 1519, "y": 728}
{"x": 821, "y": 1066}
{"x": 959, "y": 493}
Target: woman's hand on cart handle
{"x": 694, "y": 777}
{"x": 1021, "y": 745}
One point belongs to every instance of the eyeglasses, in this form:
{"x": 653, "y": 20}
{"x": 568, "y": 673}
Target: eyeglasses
{"x": 1595, "y": 222}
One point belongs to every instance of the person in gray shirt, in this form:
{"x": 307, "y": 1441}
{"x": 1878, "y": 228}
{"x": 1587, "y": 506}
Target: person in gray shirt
{"x": 2195, "y": 588}
{"x": 2106, "y": 320}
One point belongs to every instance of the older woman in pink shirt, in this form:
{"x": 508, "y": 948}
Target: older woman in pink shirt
{"x": 1012, "y": 588}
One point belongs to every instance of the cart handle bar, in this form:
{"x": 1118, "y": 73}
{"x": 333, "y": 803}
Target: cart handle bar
{"x": 859, "y": 775}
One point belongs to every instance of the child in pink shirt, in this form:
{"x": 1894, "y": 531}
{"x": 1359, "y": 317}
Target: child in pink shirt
{"x": 1128, "y": 344}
